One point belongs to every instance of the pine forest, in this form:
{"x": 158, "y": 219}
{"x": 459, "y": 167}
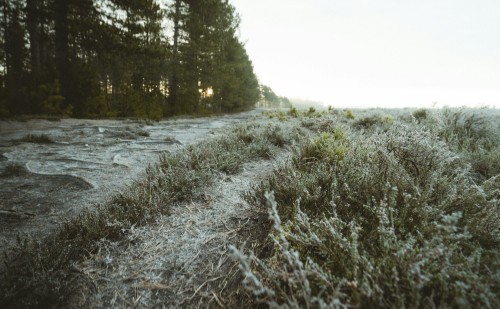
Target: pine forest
{"x": 123, "y": 58}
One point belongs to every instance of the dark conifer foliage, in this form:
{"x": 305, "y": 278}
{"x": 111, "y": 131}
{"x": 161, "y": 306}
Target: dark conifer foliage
{"x": 109, "y": 58}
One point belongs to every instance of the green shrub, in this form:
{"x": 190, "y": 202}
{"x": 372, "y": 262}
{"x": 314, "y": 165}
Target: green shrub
{"x": 374, "y": 122}
{"x": 420, "y": 114}
{"x": 349, "y": 114}
{"x": 269, "y": 114}
{"x": 282, "y": 116}
{"x": 368, "y": 122}
{"x": 322, "y": 124}
{"x": 293, "y": 112}
{"x": 327, "y": 147}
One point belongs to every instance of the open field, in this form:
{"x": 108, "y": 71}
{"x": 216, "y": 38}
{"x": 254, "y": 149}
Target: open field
{"x": 375, "y": 208}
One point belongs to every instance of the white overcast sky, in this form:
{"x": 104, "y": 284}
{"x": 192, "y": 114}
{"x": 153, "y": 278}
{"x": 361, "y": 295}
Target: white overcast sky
{"x": 378, "y": 53}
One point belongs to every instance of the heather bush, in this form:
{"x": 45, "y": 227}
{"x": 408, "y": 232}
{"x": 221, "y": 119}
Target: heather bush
{"x": 485, "y": 164}
{"x": 374, "y": 122}
{"x": 420, "y": 114}
{"x": 293, "y": 112}
{"x": 311, "y": 112}
{"x": 470, "y": 130}
{"x": 280, "y": 115}
{"x": 396, "y": 220}
{"x": 349, "y": 114}
{"x": 475, "y": 135}
{"x": 327, "y": 147}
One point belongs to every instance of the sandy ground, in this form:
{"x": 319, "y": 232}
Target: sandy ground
{"x": 44, "y": 184}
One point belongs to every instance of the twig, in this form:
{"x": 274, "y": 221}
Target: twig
{"x": 217, "y": 300}
{"x": 201, "y": 286}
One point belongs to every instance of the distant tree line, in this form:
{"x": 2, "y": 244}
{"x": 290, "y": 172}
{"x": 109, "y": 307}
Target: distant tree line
{"x": 271, "y": 99}
{"x": 116, "y": 58}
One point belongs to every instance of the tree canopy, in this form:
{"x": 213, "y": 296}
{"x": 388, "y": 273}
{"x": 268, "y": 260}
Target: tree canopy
{"x": 105, "y": 58}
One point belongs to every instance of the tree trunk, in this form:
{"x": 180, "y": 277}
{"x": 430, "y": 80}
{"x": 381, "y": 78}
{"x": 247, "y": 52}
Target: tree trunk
{"x": 61, "y": 45}
{"x": 34, "y": 37}
{"x": 4, "y": 24}
{"x": 174, "y": 79}
{"x": 14, "y": 58}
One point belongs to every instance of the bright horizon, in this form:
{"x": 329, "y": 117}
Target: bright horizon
{"x": 384, "y": 53}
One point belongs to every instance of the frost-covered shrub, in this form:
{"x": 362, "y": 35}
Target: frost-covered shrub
{"x": 469, "y": 129}
{"x": 420, "y": 114}
{"x": 276, "y": 135}
{"x": 327, "y": 147}
{"x": 475, "y": 135}
{"x": 286, "y": 280}
{"x": 368, "y": 122}
{"x": 374, "y": 122}
{"x": 249, "y": 141}
{"x": 327, "y": 263}
{"x": 349, "y": 114}
{"x": 486, "y": 164}
{"x": 293, "y": 112}
{"x": 397, "y": 221}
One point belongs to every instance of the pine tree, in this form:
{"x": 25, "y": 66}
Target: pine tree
{"x": 15, "y": 54}
{"x": 4, "y": 110}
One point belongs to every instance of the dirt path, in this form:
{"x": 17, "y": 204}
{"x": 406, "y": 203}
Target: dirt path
{"x": 43, "y": 184}
{"x": 182, "y": 261}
